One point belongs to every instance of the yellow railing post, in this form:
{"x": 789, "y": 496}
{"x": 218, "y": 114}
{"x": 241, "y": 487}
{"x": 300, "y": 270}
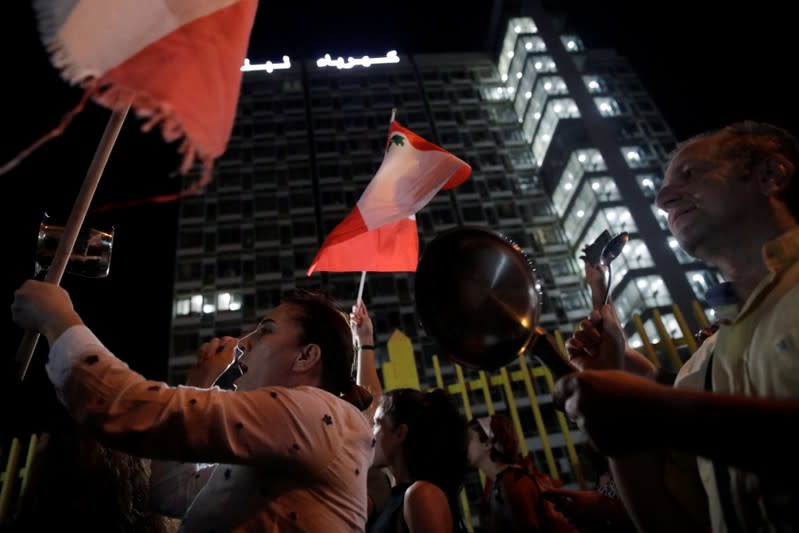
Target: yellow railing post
{"x": 687, "y": 334}
{"x": 666, "y": 341}
{"x": 649, "y": 350}
{"x": 8, "y": 479}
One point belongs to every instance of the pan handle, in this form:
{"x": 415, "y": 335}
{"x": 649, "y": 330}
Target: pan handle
{"x": 546, "y": 349}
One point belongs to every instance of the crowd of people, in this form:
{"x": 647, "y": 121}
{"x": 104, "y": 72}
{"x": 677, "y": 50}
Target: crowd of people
{"x": 308, "y": 440}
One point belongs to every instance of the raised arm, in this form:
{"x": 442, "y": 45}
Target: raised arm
{"x": 174, "y": 485}
{"x": 187, "y": 424}
{"x": 607, "y": 404}
{"x": 366, "y": 375}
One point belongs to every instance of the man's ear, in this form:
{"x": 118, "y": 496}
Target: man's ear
{"x": 777, "y": 173}
{"x": 310, "y": 355}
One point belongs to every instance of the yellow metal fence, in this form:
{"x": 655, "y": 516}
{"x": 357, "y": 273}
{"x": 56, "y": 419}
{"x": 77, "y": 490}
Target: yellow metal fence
{"x": 400, "y": 370}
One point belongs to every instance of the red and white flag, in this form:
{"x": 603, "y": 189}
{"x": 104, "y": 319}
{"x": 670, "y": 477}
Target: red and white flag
{"x": 379, "y": 234}
{"x": 177, "y": 62}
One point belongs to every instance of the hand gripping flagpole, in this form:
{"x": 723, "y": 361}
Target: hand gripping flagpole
{"x": 56, "y": 271}
{"x": 363, "y": 273}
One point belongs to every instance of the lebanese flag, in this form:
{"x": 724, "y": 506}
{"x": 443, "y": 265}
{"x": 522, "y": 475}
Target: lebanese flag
{"x": 379, "y": 234}
{"x": 178, "y": 61}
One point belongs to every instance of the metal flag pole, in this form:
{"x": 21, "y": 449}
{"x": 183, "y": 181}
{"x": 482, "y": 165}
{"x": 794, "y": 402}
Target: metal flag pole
{"x": 76, "y": 217}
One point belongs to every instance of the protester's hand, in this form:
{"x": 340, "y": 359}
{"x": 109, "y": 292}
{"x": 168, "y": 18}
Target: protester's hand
{"x": 44, "y": 307}
{"x": 213, "y": 358}
{"x": 595, "y": 277}
{"x": 361, "y": 324}
{"x": 598, "y": 343}
{"x": 582, "y": 507}
{"x": 617, "y": 410}
{"x": 590, "y": 509}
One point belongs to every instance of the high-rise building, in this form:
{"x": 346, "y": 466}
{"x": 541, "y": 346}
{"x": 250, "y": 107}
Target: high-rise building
{"x": 564, "y": 143}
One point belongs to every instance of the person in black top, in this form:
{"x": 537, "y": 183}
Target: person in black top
{"x": 421, "y": 437}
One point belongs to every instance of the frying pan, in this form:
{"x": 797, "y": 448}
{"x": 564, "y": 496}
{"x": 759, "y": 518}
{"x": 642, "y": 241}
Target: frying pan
{"x": 478, "y": 297}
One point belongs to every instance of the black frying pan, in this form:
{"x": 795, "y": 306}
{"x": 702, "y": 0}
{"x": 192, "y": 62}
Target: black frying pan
{"x": 478, "y": 297}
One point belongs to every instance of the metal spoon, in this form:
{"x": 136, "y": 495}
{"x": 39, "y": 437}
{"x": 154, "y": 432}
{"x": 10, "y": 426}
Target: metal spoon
{"x": 611, "y": 251}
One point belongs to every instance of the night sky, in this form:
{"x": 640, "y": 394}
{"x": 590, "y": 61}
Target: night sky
{"x": 703, "y": 69}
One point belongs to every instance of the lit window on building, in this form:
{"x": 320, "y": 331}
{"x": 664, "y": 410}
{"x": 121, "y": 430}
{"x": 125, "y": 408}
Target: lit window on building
{"x": 642, "y": 293}
{"x": 553, "y": 85}
{"x": 579, "y": 162}
{"x": 590, "y": 159}
{"x": 580, "y": 213}
{"x": 528, "y": 79}
{"x": 556, "y": 109}
{"x": 649, "y": 184}
{"x": 516, "y": 27}
{"x": 563, "y": 266}
{"x": 572, "y": 43}
{"x": 619, "y": 219}
{"x": 605, "y": 189}
{"x": 544, "y": 234}
{"x": 542, "y": 64}
{"x": 547, "y": 86}
{"x": 188, "y": 305}
{"x": 595, "y": 84}
{"x": 528, "y": 182}
{"x": 661, "y": 216}
{"x": 228, "y": 301}
{"x": 566, "y": 188}
{"x": 183, "y": 307}
{"x": 639, "y": 156}
{"x": 574, "y": 299}
{"x": 637, "y": 254}
{"x": 209, "y": 305}
{"x": 511, "y": 136}
{"x": 632, "y": 156}
{"x": 502, "y": 114}
{"x": 635, "y": 341}
{"x": 495, "y": 94}
{"x": 532, "y": 44}
{"x": 682, "y": 256}
{"x": 521, "y": 158}
{"x": 701, "y": 281}
{"x": 607, "y": 106}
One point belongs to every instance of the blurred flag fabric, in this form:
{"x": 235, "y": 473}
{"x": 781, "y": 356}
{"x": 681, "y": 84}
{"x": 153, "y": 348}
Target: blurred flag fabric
{"x": 379, "y": 234}
{"x": 177, "y": 62}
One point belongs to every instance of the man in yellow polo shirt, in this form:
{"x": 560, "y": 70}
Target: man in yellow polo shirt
{"x": 732, "y": 198}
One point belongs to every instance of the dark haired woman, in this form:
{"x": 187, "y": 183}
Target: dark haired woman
{"x": 421, "y": 437}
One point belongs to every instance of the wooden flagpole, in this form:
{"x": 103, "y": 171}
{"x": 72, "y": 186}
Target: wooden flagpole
{"x": 76, "y": 217}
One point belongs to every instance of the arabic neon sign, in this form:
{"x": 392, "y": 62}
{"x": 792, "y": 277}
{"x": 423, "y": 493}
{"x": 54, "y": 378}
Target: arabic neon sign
{"x": 269, "y": 66}
{"x": 365, "y": 61}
